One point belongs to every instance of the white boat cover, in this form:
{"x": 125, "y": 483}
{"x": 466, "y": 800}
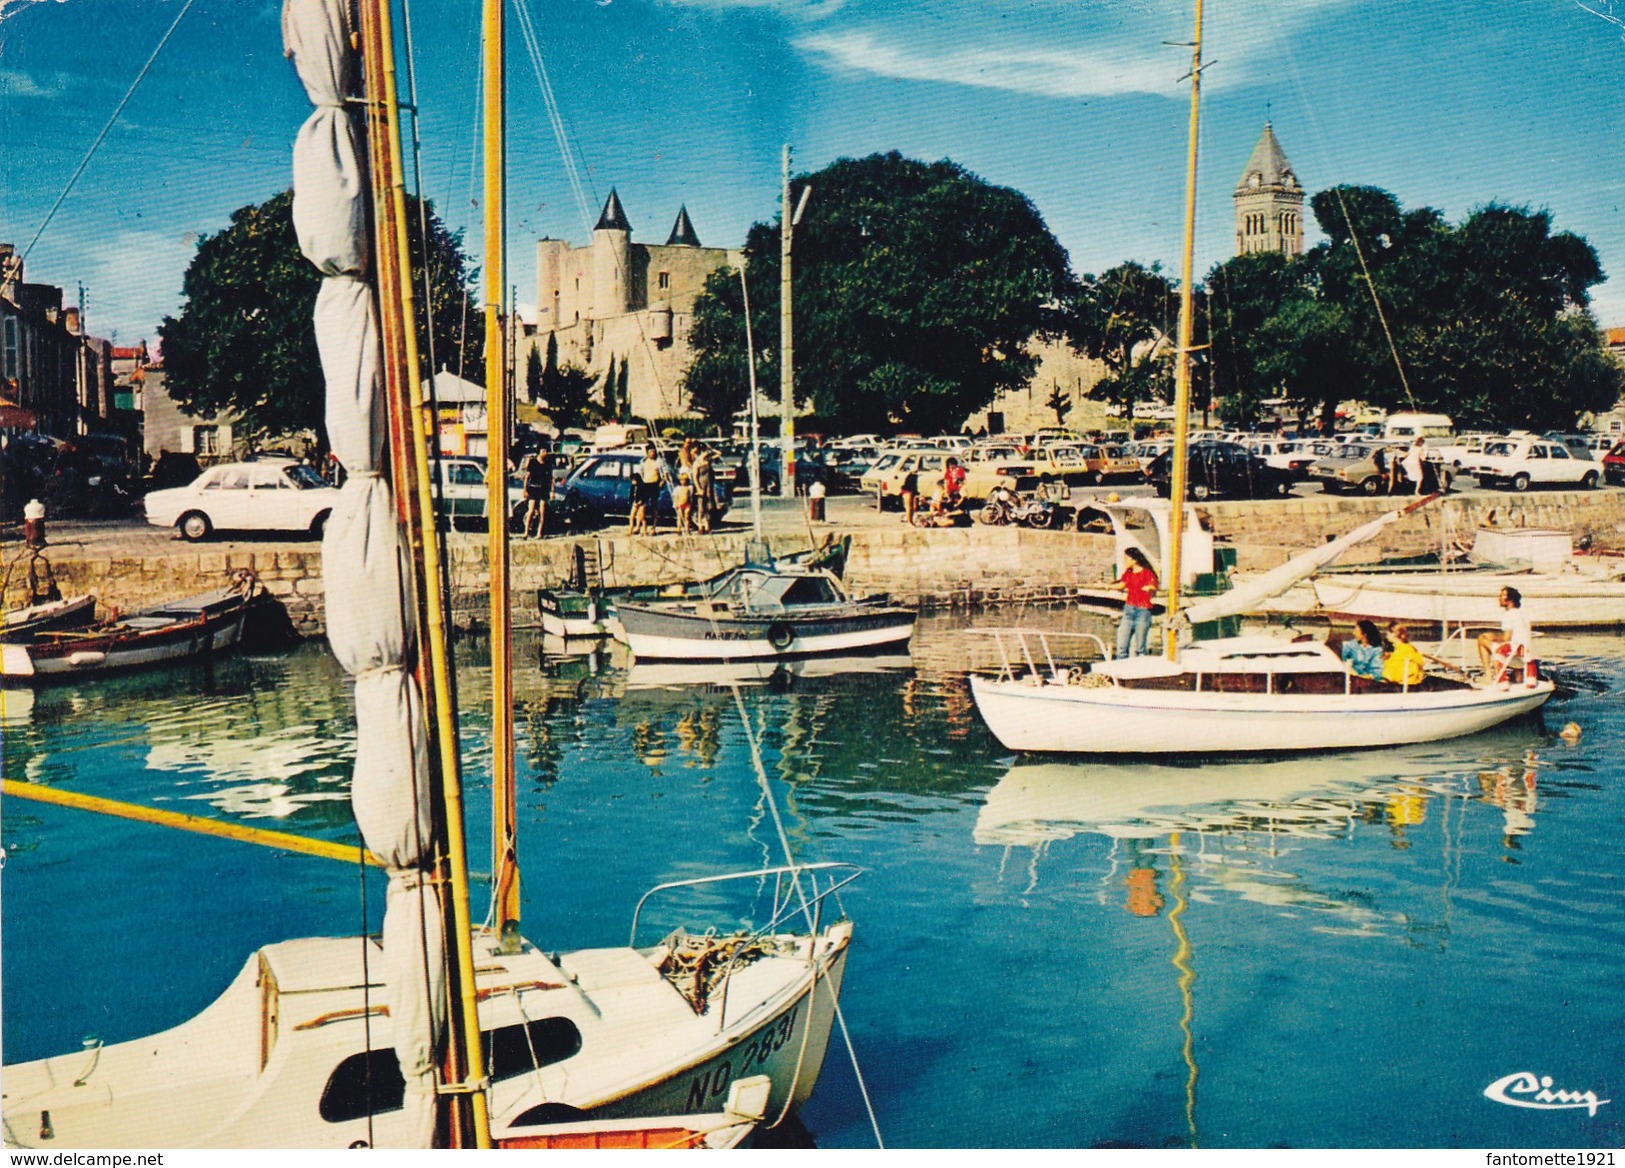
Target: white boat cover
{"x": 1248, "y": 597}
{"x": 369, "y": 620}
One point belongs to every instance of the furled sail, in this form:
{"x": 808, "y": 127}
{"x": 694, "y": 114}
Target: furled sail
{"x": 1247, "y": 597}
{"x": 370, "y": 622}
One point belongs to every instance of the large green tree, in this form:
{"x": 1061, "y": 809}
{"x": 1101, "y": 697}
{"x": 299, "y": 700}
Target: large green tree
{"x": 1485, "y": 321}
{"x": 244, "y": 341}
{"x": 1122, "y": 318}
{"x": 919, "y": 288}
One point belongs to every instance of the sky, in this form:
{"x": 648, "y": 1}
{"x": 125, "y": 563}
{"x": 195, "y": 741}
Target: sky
{"x": 1080, "y": 105}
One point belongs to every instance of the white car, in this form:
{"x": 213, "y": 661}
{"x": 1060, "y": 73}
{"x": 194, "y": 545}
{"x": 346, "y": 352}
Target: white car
{"x": 270, "y": 495}
{"x": 1519, "y": 462}
{"x": 465, "y": 496}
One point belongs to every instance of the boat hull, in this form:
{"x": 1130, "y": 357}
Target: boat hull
{"x": 24, "y": 625}
{"x": 1111, "y": 720}
{"x": 664, "y": 635}
{"x": 1456, "y": 598}
{"x": 196, "y": 629}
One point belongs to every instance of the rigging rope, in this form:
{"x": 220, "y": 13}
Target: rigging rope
{"x": 806, "y": 908}
{"x": 94, "y": 146}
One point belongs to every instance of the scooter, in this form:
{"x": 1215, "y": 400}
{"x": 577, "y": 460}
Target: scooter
{"x": 1038, "y": 511}
{"x": 1000, "y": 507}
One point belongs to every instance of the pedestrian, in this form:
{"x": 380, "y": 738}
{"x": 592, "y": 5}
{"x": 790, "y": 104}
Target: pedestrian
{"x": 1512, "y": 640}
{"x": 646, "y": 483}
{"x": 538, "y": 489}
{"x": 705, "y": 486}
{"x": 909, "y": 492}
{"x": 1413, "y": 462}
{"x": 682, "y": 503}
{"x": 1139, "y": 585}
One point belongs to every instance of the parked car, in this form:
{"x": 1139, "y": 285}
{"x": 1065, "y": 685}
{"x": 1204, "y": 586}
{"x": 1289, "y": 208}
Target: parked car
{"x": 465, "y": 496}
{"x": 600, "y": 489}
{"x": 1109, "y": 461}
{"x": 884, "y": 480}
{"x": 268, "y": 495}
{"x": 1521, "y": 462}
{"x": 1613, "y": 465}
{"x": 1285, "y": 454}
{"x": 1219, "y": 470}
{"x": 1352, "y": 466}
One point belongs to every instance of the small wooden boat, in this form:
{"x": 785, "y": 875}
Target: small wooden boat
{"x": 181, "y": 630}
{"x": 20, "y": 627}
{"x": 765, "y": 612}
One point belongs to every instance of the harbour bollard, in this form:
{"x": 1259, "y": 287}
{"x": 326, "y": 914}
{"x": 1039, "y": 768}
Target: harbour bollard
{"x": 34, "y": 524}
{"x": 815, "y": 503}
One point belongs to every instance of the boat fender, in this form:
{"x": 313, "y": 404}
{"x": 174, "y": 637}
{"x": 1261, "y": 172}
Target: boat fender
{"x": 780, "y": 635}
{"x": 86, "y": 657}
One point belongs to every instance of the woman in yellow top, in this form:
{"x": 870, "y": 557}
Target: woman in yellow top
{"x": 1405, "y": 665}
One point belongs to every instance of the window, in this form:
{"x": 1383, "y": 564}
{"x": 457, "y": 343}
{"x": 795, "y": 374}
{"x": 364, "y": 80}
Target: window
{"x": 1560, "y": 452}
{"x": 465, "y": 475}
{"x": 608, "y": 469}
{"x": 206, "y": 440}
{"x": 233, "y": 479}
{"x": 271, "y": 478}
{"x": 664, "y": 281}
{"x": 8, "y": 347}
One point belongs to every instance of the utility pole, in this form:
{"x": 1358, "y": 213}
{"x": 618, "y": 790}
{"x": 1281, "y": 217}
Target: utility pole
{"x": 787, "y": 405}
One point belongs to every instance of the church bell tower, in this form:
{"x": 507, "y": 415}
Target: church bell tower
{"x": 1269, "y": 201}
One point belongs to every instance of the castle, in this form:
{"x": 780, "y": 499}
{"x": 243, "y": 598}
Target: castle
{"x": 630, "y": 303}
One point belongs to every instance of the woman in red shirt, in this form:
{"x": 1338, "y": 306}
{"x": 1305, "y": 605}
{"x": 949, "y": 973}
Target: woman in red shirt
{"x": 1139, "y": 583}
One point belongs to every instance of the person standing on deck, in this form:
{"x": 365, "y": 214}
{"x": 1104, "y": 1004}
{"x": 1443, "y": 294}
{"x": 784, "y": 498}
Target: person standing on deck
{"x": 1413, "y": 463}
{"x": 1139, "y": 584}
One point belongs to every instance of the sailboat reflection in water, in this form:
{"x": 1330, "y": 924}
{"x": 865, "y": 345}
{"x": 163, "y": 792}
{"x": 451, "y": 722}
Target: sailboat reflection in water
{"x": 439, "y": 1031}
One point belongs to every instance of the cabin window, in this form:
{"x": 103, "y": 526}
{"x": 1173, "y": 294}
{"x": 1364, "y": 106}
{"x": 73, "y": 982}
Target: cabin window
{"x": 809, "y": 590}
{"x": 370, "y": 1083}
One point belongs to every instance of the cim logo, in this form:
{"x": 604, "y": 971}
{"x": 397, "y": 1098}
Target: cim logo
{"x": 1526, "y": 1089}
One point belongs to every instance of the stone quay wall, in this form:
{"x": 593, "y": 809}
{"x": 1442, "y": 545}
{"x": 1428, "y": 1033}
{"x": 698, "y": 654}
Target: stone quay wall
{"x": 931, "y": 568}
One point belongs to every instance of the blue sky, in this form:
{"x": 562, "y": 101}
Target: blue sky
{"x": 1077, "y": 104}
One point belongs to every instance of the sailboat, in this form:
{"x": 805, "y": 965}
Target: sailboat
{"x": 439, "y": 1031}
{"x": 1229, "y": 695}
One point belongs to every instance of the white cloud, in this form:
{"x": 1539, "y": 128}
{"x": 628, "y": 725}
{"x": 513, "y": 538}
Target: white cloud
{"x": 795, "y": 9}
{"x": 17, "y": 84}
{"x": 1048, "y": 71}
{"x": 10, "y": 8}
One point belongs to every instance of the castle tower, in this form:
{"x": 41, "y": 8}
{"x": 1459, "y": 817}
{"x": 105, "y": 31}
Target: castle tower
{"x": 1269, "y": 201}
{"x": 612, "y": 261}
{"x": 682, "y": 231}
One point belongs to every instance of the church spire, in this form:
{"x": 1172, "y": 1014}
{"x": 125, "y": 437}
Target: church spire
{"x": 682, "y": 231}
{"x": 613, "y": 217}
{"x": 1269, "y": 201}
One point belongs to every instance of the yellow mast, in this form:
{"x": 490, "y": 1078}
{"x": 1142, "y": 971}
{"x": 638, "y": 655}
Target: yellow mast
{"x": 504, "y": 852}
{"x": 1182, "y": 366}
{"x": 411, "y": 420}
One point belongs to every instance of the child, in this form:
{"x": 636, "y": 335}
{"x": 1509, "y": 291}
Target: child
{"x": 1404, "y": 665}
{"x": 682, "y": 502}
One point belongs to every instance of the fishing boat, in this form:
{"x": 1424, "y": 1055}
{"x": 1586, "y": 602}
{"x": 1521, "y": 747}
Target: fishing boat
{"x": 584, "y": 606}
{"x": 1241, "y": 694}
{"x": 438, "y": 1030}
{"x": 20, "y": 626}
{"x": 182, "y": 630}
{"x": 763, "y": 613}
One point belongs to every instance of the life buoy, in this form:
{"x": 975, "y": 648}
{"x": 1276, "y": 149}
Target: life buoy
{"x": 780, "y": 635}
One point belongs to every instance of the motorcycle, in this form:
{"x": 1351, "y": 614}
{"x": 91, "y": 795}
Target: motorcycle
{"x": 1000, "y": 506}
{"x": 1039, "y": 511}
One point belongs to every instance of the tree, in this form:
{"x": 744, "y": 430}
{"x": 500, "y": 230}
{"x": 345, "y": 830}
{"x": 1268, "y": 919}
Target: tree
{"x": 611, "y": 410}
{"x": 244, "y": 341}
{"x": 550, "y": 369}
{"x": 623, "y": 399}
{"x": 533, "y": 376}
{"x": 918, "y": 289}
{"x": 1123, "y": 318}
{"x": 1060, "y": 402}
{"x": 570, "y": 396}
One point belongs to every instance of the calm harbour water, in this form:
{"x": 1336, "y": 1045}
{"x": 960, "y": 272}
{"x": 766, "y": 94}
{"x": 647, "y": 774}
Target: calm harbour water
{"x": 1330, "y": 951}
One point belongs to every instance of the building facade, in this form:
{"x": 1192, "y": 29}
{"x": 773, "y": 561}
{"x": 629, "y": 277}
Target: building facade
{"x": 630, "y": 303}
{"x": 49, "y": 366}
{"x": 1269, "y": 201}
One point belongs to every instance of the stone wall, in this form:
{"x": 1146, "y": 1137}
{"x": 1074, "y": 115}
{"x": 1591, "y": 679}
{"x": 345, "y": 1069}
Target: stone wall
{"x": 927, "y": 567}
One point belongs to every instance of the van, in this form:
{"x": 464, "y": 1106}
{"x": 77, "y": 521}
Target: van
{"x": 1405, "y": 428}
{"x": 618, "y": 434}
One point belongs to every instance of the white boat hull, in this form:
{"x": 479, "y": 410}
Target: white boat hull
{"x": 1070, "y": 719}
{"x": 646, "y": 647}
{"x": 1457, "y": 598}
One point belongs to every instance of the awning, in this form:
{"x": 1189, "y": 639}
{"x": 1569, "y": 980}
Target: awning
{"x": 16, "y": 417}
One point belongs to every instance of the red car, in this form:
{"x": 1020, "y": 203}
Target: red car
{"x": 1613, "y": 465}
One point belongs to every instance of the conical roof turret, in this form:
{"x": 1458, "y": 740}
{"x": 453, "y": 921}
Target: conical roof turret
{"x": 1267, "y": 166}
{"x": 613, "y": 217}
{"x": 682, "y": 231}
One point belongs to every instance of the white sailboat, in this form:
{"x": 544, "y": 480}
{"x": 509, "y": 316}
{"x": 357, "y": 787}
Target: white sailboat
{"x": 1232, "y": 695}
{"x": 438, "y": 1031}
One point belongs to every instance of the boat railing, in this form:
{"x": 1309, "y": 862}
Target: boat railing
{"x": 789, "y": 898}
{"x": 1016, "y": 647}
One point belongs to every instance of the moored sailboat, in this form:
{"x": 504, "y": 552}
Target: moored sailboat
{"x": 1231, "y": 695}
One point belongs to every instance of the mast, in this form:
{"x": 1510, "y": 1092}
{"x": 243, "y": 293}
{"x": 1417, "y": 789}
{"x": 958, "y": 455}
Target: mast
{"x": 504, "y": 850}
{"x": 755, "y": 428}
{"x": 787, "y": 376}
{"x": 1182, "y": 366}
{"x": 467, "y": 1117}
